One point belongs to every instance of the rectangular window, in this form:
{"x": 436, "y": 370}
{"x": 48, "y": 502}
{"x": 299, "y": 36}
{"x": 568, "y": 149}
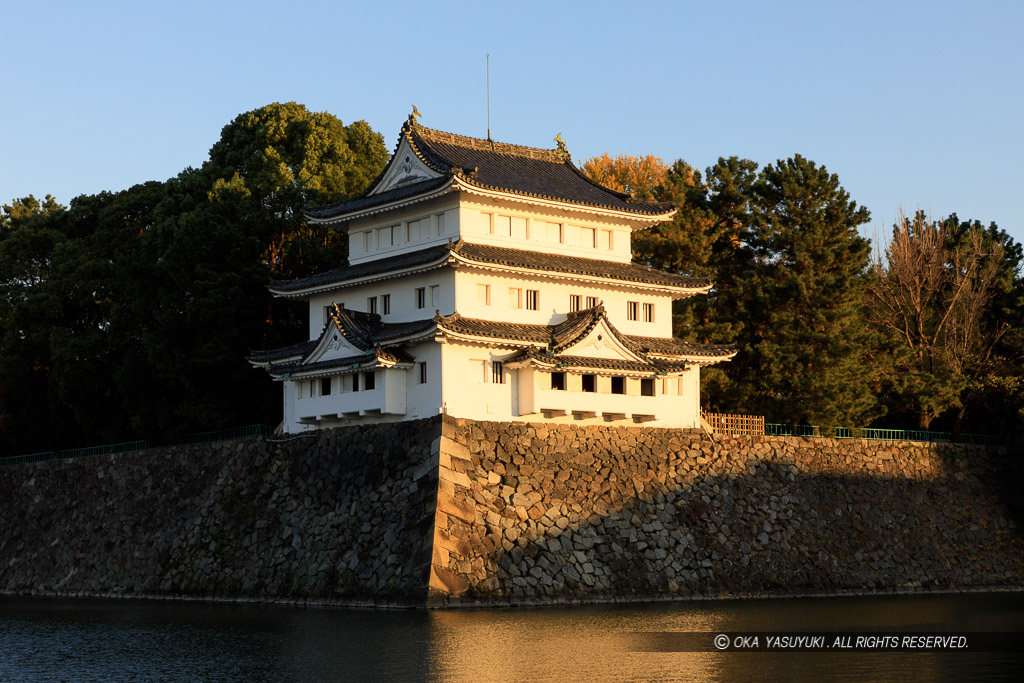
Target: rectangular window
{"x": 355, "y": 382}
{"x": 483, "y": 295}
{"x": 371, "y": 304}
{"x": 608, "y": 240}
{"x": 369, "y": 381}
{"x": 423, "y": 372}
{"x": 385, "y": 237}
{"x": 588, "y": 237}
{"x": 325, "y": 386}
{"x": 648, "y": 313}
{"x": 647, "y": 387}
{"x": 591, "y": 301}
{"x": 555, "y": 233}
{"x": 367, "y": 241}
{"x": 385, "y": 304}
{"x": 558, "y": 381}
{"x": 497, "y": 372}
{"x": 440, "y": 224}
{"x": 435, "y": 296}
{"x": 589, "y": 383}
{"x": 519, "y": 227}
{"x": 487, "y": 223}
{"x": 632, "y": 310}
{"x": 503, "y": 226}
{"x": 327, "y": 314}
{"x": 618, "y": 385}
{"x": 414, "y": 231}
{"x": 574, "y": 302}
{"x": 515, "y": 297}
{"x": 421, "y": 297}
{"x": 532, "y": 299}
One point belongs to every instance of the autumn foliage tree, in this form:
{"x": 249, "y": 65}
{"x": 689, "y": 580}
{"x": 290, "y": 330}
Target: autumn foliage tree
{"x": 639, "y": 176}
{"x": 934, "y": 295}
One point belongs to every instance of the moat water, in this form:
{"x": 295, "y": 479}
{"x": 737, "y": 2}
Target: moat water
{"x": 92, "y": 640}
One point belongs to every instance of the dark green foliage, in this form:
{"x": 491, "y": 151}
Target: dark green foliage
{"x": 789, "y": 271}
{"x": 806, "y": 349}
{"x": 129, "y": 315}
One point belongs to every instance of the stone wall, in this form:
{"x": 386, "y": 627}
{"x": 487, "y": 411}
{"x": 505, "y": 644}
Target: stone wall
{"x": 343, "y": 515}
{"x": 537, "y": 513}
{"x": 447, "y": 512}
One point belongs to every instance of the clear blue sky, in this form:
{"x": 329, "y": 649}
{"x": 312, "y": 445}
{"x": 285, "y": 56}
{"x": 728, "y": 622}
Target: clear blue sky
{"x": 918, "y": 104}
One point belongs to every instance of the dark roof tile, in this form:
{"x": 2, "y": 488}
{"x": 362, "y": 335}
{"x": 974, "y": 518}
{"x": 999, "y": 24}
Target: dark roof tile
{"x": 576, "y": 265}
{"x": 484, "y": 253}
{"x": 347, "y": 273}
{"x": 527, "y": 171}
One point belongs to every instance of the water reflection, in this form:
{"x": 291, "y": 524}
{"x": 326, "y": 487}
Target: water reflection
{"x": 112, "y": 640}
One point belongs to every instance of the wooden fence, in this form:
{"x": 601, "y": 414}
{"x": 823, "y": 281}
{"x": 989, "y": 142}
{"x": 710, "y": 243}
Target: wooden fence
{"x": 720, "y": 423}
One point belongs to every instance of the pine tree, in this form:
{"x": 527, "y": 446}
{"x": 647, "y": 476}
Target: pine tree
{"x": 805, "y": 348}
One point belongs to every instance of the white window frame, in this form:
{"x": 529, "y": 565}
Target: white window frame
{"x": 483, "y": 294}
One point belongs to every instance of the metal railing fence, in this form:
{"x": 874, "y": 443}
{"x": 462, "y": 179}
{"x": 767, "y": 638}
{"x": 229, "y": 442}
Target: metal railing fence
{"x": 877, "y": 434}
{"x": 135, "y": 446}
{"x": 754, "y": 425}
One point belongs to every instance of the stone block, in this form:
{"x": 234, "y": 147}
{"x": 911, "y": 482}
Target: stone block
{"x": 465, "y": 511}
{"x": 447, "y": 582}
{"x": 454, "y": 449}
{"x": 457, "y": 478}
{"x": 445, "y": 541}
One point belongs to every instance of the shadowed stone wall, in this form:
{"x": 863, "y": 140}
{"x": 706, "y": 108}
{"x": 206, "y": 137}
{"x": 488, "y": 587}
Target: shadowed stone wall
{"x": 449, "y": 512}
{"x": 542, "y": 513}
{"x": 343, "y": 515}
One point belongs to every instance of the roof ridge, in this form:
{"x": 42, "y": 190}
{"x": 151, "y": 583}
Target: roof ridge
{"x": 540, "y": 153}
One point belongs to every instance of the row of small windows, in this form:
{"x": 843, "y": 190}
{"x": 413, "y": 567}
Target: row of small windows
{"x": 518, "y": 298}
{"x": 633, "y": 309}
{"x": 575, "y": 301}
{"x": 515, "y": 301}
{"x": 515, "y": 297}
{"x": 543, "y": 231}
{"x": 381, "y": 304}
{"x": 589, "y": 384}
{"x": 325, "y": 386}
{"x": 340, "y": 384}
{"x": 411, "y": 231}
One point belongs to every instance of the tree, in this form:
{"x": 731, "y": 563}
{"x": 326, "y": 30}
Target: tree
{"x": 29, "y": 408}
{"x": 947, "y": 294}
{"x": 25, "y": 208}
{"x": 707, "y": 237}
{"x": 805, "y": 350}
{"x": 130, "y": 314}
{"x": 286, "y": 158}
{"x": 640, "y": 177}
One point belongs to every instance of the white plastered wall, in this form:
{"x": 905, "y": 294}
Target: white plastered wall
{"x": 470, "y": 392}
{"x": 398, "y": 394}
{"x": 554, "y": 298}
{"x": 519, "y": 226}
{"x": 401, "y": 231}
{"x": 402, "y": 292}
